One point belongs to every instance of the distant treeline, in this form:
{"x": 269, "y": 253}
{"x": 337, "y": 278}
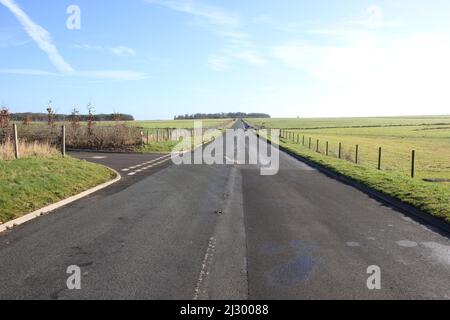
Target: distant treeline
{"x": 229, "y": 115}
{"x": 38, "y": 117}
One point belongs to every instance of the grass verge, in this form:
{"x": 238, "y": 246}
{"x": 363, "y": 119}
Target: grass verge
{"x": 29, "y": 184}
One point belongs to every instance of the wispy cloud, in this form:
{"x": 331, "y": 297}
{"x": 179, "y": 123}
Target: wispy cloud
{"x": 29, "y": 72}
{"x": 43, "y": 39}
{"x": 123, "y": 51}
{"x": 227, "y": 25}
{"x": 212, "y": 15}
{"x": 39, "y": 35}
{"x": 122, "y": 75}
{"x": 114, "y": 75}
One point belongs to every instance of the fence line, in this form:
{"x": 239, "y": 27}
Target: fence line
{"x": 355, "y": 157}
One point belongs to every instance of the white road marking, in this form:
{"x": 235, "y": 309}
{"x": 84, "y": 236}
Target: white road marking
{"x": 204, "y": 271}
{"x": 145, "y": 163}
{"x": 99, "y": 157}
{"x": 148, "y": 167}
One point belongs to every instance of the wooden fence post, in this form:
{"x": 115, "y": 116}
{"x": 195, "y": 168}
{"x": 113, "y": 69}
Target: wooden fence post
{"x": 340, "y": 150}
{"x": 379, "y": 158}
{"x": 413, "y": 164}
{"x": 317, "y": 147}
{"x": 356, "y": 154}
{"x": 16, "y": 142}
{"x": 327, "y": 148}
{"x": 63, "y": 140}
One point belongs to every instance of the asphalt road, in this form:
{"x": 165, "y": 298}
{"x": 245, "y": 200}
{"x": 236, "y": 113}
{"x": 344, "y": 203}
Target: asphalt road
{"x": 226, "y": 232}
{"x": 133, "y": 167}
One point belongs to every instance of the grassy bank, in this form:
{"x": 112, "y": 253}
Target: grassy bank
{"x": 29, "y": 184}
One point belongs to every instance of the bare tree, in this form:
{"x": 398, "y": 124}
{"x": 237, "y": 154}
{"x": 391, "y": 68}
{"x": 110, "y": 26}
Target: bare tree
{"x": 91, "y": 118}
{"x": 50, "y": 113}
{"x": 75, "y": 119}
{"x": 4, "y": 117}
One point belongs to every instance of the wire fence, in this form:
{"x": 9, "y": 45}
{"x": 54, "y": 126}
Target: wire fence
{"x": 423, "y": 160}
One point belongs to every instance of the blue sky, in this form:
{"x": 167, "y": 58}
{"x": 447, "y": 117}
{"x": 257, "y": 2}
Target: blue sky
{"x": 159, "y": 58}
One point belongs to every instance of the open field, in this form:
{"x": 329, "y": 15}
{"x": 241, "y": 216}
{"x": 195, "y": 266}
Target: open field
{"x": 32, "y": 183}
{"x": 431, "y": 144}
{"x": 308, "y": 123}
{"x": 397, "y": 139}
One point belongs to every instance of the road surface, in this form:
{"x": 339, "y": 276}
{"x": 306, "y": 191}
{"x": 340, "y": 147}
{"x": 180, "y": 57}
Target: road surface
{"x": 226, "y": 232}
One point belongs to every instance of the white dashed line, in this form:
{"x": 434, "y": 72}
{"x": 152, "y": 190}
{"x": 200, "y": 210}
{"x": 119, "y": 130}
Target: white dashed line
{"x": 145, "y": 163}
{"x": 154, "y": 164}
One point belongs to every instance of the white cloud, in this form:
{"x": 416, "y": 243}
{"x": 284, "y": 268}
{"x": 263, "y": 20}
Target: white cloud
{"x": 29, "y": 72}
{"x": 238, "y": 44}
{"x": 212, "y": 15}
{"x": 381, "y": 74}
{"x": 88, "y": 47}
{"x": 43, "y": 40}
{"x": 121, "y": 75}
{"x": 114, "y": 75}
{"x": 39, "y": 35}
{"x": 123, "y": 51}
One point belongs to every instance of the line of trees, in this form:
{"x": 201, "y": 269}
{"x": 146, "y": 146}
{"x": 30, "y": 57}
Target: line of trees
{"x": 222, "y": 115}
{"x": 43, "y": 117}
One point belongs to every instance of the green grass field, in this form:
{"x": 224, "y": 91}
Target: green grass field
{"x": 428, "y": 136}
{"x": 309, "y": 123}
{"x": 32, "y": 183}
